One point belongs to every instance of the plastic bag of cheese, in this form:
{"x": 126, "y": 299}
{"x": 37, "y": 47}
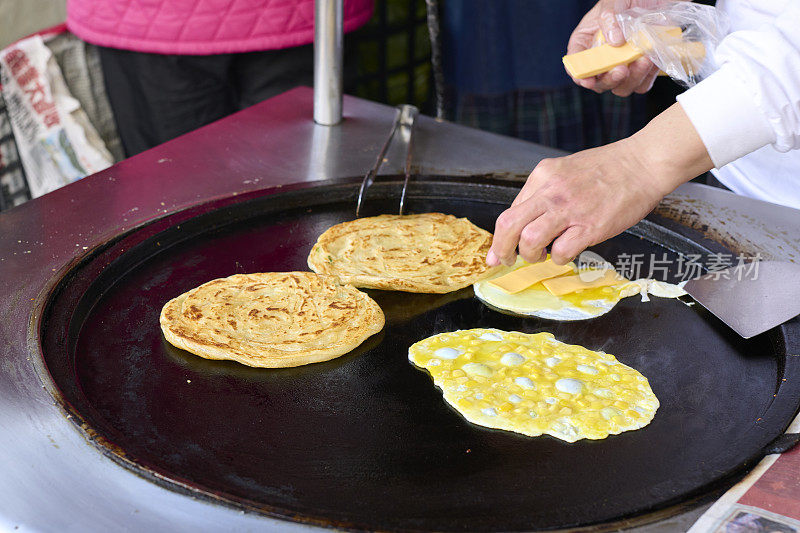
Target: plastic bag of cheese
{"x": 678, "y": 37}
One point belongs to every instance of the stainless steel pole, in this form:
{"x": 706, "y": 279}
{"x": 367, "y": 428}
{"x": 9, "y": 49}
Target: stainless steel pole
{"x": 328, "y": 59}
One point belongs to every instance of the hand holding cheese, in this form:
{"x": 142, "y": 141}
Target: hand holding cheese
{"x": 587, "y": 197}
{"x": 632, "y": 74}
{"x": 603, "y": 57}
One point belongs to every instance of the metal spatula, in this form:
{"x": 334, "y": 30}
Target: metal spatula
{"x": 751, "y": 297}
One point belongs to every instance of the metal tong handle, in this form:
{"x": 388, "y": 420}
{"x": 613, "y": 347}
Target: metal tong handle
{"x": 404, "y": 121}
{"x": 408, "y": 113}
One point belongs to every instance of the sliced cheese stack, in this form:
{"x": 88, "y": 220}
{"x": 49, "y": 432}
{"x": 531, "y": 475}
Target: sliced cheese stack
{"x": 552, "y": 277}
{"x": 522, "y": 278}
{"x": 588, "y": 279}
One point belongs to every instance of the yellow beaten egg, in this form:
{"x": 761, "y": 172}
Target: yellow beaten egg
{"x": 534, "y": 384}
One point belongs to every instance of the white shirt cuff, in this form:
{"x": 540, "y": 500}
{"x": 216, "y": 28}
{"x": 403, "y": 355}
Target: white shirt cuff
{"x": 726, "y": 117}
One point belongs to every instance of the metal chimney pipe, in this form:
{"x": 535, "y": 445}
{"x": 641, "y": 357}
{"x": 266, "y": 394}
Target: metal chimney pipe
{"x": 328, "y": 60}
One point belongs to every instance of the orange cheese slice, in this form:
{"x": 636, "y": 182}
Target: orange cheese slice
{"x": 568, "y": 284}
{"x": 690, "y": 53}
{"x": 594, "y": 61}
{"x": 599, "y": 59}
{"x": 524, "y": 277}
{"x": 668, "y": 35}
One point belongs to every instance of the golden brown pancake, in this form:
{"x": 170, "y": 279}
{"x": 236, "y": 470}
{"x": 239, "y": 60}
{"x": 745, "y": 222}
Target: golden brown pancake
{"x": 432, "y": 252}
{"x": 274, "y": 319}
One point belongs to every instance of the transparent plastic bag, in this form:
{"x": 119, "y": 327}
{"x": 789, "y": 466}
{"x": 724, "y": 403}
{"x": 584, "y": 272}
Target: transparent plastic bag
{"x": 679, "y": 37}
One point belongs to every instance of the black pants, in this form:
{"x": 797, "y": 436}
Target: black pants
{"x": 157, "y": 97}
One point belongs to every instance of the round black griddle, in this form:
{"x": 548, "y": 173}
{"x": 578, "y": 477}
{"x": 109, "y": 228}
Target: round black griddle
{"x": 365, "y": 441}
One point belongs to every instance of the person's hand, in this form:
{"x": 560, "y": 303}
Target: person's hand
{"x": 587, "y": 197}
{"x": 578, "y": 200}
{"x": 636, "y": 77}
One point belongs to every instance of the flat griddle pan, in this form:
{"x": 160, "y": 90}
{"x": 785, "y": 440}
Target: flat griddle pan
{"x": 365, "y": 441}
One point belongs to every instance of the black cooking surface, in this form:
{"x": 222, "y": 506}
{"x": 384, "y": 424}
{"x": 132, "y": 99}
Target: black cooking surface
{"x": 366, "y": 440}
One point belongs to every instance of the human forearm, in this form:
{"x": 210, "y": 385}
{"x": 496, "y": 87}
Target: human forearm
{"x": 670, "y": 149}
{"x": 585, "y": 198}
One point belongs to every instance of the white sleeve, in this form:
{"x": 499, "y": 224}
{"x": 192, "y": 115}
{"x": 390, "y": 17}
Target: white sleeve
{"x": 754, "y": 98}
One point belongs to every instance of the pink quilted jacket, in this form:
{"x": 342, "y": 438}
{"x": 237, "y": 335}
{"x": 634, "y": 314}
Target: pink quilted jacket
{"x": 202, "y": 26}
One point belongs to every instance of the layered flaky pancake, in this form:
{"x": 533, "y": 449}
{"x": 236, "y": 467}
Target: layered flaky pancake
{"x": 274, "y": 319}
{"x": 431, "y": 252}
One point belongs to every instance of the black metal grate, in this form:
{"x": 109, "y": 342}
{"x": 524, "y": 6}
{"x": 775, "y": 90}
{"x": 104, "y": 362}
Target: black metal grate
{"x": 13, "y": 183}
{"x": 393, "y": 55}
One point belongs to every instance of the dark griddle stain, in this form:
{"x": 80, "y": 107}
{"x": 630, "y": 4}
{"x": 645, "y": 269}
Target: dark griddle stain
{"x": 712, "y": 222}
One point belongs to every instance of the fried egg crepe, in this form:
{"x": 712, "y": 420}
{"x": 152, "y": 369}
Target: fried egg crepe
{"x": 537, "y": 300}
{"x": 274, "y": 319}
{"x": 428, "y": 253}
{"x": 534, "y": 384}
